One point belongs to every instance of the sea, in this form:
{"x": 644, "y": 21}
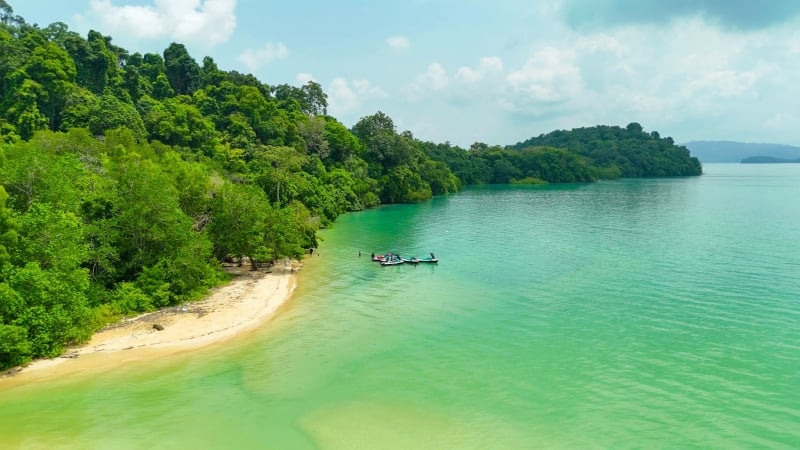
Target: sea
{"x": 635, "y": 313}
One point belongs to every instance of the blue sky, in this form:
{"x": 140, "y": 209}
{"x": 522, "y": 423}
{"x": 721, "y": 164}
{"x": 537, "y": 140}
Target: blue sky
{"x": 493, "y": 71}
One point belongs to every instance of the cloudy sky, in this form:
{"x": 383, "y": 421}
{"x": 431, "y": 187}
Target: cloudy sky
{"x": 497, "y": 72}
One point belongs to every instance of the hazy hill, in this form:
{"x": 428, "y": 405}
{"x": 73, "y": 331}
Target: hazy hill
{"x": 734, "y": 152}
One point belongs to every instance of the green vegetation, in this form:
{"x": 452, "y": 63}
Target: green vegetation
{"x": 126, "y": 178}
{"x": 579, "y": 155}
{"x": 621, "y": 152}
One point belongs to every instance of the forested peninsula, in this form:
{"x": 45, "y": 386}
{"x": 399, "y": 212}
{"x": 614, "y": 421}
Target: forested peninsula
{"x": 126, "y": 178}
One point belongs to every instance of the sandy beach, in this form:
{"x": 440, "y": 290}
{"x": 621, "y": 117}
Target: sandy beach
{"x": 249, "y": 300}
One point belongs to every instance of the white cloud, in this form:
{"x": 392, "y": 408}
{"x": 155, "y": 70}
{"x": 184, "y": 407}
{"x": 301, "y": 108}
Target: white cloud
{"x": 434, "y": 79}
{"x": 602, "y": 43}
{"x": 303, "y": 78}
{"x": 344, "y": 96}
{"x": 488, "y": 66}
{"x": 689, "y": 79}
{"x": 549, "y": 76}
{"x": 466, "y": 74}
{"x": 398, "y": 42}
{"x": 209, "y": 21}
{"x": 724, "y": 83}
{"x": 269, "y": 52}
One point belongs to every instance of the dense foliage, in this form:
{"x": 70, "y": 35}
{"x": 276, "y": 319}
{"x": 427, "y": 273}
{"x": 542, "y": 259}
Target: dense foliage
{"x": 579, "y": 155}
{"x": 126, "y": 178}
{"x": 627, "y": 152}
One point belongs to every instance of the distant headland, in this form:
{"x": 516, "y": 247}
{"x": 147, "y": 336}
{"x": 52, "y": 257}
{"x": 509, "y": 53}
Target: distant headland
{"x": 734, "y": 152}
{"x": 768, "y": 160}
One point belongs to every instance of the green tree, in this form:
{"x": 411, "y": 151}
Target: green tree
{"x": 315, "y": 136}
{"x": 15, "y": 350}
{"x": 238, "y": 221}
{"x": 384, "y": 149}
{"x": 193, "y": 183}
{"x": 290, "y": 230}
{"x": 210, "y": 73}
{"x": 54, "y": 70}
{"x": 80, "y": 107}
{"x": 161, "y": 88}
{"x": 8, "y": 233}
{"x": 273, "y": 168}
{"x": 313, "y": 100}
{"x": 95, "y": 64}
{"x": 439, "y": 177}
{"x": 342, "y": 144}
{"x": 54, "y": 312}
{"x": 111, "y": 113}
{"x": 53, "y": 239}
{"x": 182, "y": 71}
{"x": 21, "y": 109}
{"x": 403, "y": 185}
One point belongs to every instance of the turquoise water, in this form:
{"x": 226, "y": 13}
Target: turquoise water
{"x": 656, "y": 313}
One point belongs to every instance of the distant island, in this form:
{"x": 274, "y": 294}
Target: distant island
{"x": 768, "y": 160}
{"x": 734, "y": 152}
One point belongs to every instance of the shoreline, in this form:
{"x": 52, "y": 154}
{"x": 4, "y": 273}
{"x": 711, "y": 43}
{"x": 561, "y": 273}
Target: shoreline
{"x": 251, "y": 299}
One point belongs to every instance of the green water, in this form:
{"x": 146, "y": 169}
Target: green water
{"x": 628, "y": 314}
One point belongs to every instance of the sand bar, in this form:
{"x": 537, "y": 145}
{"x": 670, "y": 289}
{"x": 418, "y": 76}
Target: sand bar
{"x": 249, "y": 300}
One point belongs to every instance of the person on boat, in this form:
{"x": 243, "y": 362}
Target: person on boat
{"x": 432, "y": 256}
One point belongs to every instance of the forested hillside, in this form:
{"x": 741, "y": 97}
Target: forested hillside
{"x": 578, "y": 155}
{"x": 125, "y": 178}
{"x": 627, "y": 152}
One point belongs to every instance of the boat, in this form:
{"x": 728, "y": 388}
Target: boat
{"x": 427, "y": 259}
{"x": 385, "y": 257}
{"x": 415, "y": 260}
{"x": 393, "y": 260}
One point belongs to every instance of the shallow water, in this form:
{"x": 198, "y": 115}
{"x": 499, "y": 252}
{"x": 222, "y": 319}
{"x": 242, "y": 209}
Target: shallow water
{"x": 634, "y": 313}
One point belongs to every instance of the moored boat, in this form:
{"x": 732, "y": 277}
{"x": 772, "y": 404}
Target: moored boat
{"x": 393, "y": 259}
{"x": 427, "y": 259}
{"x": 396, "y": 262}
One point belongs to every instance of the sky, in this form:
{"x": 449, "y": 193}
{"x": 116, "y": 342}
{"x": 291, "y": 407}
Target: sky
{"x": 496, "y": 72}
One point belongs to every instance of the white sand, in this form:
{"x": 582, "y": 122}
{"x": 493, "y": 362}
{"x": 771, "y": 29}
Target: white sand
{"x": 252, "y": 298}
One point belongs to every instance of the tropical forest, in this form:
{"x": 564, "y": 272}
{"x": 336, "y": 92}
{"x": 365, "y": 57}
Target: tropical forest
{"x": 127, "y": 178}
